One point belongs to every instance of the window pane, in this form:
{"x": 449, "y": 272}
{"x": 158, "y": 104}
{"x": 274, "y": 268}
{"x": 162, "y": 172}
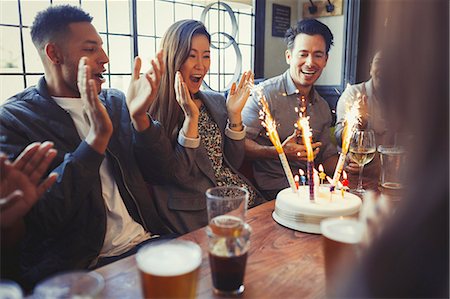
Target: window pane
{"x": 66, "y": 2}
{"x": 10, "y": 53}
{"x": 245, "y": 31}
{"x": 9, "y": 86}
{"x": 32, "y": 80}
{"x": 228, "y": 60}
{"x": 146, "y": 51}
{"x": 246, "y": 52}
{"x": 145, "y": 17}
{"x": 164, "y": 17}
{"x": 120, "y": 54}
{"x": 30, "y": 9}
{"x": 32, "y": 60}
{"x": 9, "y": 12}
{"x": 119, "y": 17}
{"x": 97, "y": 10}
{"x": 196, "y": 12}
{"x": 183, "y": 12}
{"x": 120, "y": 82}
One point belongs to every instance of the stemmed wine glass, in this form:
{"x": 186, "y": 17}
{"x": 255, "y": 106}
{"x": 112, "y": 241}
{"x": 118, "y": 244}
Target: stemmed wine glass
{"x": 362, "y": 150}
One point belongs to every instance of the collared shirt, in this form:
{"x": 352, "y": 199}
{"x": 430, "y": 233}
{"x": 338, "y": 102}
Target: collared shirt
{"x": 376, "y": 118}
{"x": 283, "y": 97}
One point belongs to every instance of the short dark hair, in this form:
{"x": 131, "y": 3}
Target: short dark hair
{"x": 53, "y": 22}
{"x": 310, "y": 27}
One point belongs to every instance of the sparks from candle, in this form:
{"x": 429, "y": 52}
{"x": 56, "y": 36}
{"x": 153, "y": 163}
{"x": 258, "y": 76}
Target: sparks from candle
{"x": 351, "y": 119}
{"x": 270, "y": 125}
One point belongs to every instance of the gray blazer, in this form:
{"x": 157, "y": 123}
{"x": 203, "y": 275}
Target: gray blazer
{"x": 181, "y": 202}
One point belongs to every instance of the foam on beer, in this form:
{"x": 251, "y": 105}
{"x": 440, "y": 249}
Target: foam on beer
{"x": 169, "y": 259}
{"x": 342, "y": 230}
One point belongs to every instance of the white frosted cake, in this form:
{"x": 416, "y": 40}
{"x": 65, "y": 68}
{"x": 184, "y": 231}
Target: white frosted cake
{"x": 296, "y": 211}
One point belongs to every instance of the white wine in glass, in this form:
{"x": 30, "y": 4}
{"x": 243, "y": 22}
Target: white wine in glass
{"x": 362, "y": 151}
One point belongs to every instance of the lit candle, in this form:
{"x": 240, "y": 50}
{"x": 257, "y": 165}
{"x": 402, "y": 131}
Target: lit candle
{"x": 296, "y": 179}
{"x": 322, "y": 174}
{"x": 344, "y": 181}
{"x": 303, "y": 124}
{"x": 330, "y": 180}
{"x": 302, "y": 176}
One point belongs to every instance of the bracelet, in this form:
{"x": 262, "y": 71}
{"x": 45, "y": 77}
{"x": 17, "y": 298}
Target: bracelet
{"x": 238, "y": 125}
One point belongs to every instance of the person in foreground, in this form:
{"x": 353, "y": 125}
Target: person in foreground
{"x": 205, "y": 129}
{"x": 410, "y": 259}
{"x": 99, "y": 209}
{"x": 308, "y": 45}
{"x": 20, "y": 188}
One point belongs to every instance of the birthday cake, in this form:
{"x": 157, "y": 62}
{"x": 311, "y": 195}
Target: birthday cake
{"x": 297, "y": 211}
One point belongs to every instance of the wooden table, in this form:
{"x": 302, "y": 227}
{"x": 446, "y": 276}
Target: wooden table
{"x": 282, "y": 263}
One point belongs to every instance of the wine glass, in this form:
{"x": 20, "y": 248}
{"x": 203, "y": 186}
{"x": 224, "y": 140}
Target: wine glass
{"x": 362, "y": 150}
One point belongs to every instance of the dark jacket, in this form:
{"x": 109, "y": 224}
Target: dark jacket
{"x": 181, "y": 202}
{"x": 66, "y": 227}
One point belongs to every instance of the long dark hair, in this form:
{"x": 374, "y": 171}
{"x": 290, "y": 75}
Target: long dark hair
{"x": 176, "y": 43}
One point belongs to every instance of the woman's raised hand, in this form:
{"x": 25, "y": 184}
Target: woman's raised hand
{"x": 238, "y": 96}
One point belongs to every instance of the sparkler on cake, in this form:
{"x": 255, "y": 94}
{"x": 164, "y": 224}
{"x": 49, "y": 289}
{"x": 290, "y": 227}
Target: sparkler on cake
{"x": 303, "y": 125}
{"x": 270, "y": 125}
{"x": 350, "y": 121}
{"x": 305, "y": 210}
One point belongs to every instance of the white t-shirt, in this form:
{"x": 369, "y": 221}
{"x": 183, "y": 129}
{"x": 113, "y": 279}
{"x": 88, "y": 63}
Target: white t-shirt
{"x": 122, "y": 232}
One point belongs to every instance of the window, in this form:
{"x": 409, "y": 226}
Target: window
{"x": 20, "y": 65}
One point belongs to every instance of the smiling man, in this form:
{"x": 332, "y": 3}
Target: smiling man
{"x": 308, "y": 45}
{"x": 99, "y": 209}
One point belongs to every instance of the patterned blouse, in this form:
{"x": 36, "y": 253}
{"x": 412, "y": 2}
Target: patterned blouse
{"x": 212, "y": 139}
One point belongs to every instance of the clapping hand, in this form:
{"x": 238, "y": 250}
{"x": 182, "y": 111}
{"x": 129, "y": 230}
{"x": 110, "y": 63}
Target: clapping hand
{"x": 20, "y": 181}
{"x": 100, "y": 124}
{"x": 143, "y": 90}
{"x": 238, "y": 96}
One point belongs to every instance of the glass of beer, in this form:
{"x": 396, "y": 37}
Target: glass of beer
{"x": 341, "y": 248}
{"x": 228, "y": 243}
{"x": 231, "y": 200}
{"x": 169, "y": 269}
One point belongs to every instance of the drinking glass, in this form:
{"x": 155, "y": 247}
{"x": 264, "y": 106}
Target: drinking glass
{"x": 78, "y": 284}
{"x": 169, "y": 269}
{"x": 362, "y": 150}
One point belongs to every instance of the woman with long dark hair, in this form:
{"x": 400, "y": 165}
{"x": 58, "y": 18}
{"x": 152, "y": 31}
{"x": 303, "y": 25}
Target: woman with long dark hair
{"x": 206, "y": 129}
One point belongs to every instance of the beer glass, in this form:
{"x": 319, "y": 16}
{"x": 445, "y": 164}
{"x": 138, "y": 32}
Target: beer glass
{"x": 228, "y": 247}
{"x": 79, "y": 284}
{"x": 231, "y": 200}
{"x": 169, "y": 269}
{"x": 341, "y": 240}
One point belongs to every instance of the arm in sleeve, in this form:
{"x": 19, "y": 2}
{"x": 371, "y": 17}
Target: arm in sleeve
{"x": 76, "y": 173}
